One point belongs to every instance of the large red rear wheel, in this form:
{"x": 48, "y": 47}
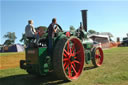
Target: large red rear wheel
{"x": 69, "y": 58}
{"x": 98, "y": 57}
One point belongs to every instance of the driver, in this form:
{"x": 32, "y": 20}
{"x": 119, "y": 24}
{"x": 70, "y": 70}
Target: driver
{"x": 52, "y": 29}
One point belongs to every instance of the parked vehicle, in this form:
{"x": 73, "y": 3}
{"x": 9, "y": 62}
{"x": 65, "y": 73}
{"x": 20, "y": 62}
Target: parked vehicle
{"x": 124, "y": 43}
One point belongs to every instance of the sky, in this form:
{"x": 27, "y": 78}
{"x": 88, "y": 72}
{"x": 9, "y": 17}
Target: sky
{"x": 103, "y": 15}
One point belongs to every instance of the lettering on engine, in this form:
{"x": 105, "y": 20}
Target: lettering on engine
{"x": 31, "y": 51}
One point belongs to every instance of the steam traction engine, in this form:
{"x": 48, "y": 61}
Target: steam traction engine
{"x": 69, "y": 53}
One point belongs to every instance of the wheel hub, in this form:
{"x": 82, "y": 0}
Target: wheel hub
{"x": 72, "y": 59}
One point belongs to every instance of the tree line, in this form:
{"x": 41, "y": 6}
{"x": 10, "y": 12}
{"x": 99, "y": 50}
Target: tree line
{"x": 10, "y": 37}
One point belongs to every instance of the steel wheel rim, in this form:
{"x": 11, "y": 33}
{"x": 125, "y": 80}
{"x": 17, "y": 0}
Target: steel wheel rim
{"x": 73, "y": 58}
{"x": 99, "y": 56}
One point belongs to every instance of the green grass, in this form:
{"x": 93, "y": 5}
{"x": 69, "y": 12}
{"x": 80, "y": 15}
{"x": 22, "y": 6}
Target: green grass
{"x": 114, "y": 71}
{"x": 10, "y": 53}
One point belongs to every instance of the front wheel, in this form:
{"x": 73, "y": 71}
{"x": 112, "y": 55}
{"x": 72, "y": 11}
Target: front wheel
{"x": 98, "y": 57}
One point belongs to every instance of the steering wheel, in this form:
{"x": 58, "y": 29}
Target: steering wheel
{"x": 59, "y": 29}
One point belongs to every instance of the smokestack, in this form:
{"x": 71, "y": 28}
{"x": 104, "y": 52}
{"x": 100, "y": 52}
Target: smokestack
{"x": 84, "y": 19}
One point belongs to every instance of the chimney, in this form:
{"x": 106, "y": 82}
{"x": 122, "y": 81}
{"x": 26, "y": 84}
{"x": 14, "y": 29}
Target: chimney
{"x": 84, "y": 19}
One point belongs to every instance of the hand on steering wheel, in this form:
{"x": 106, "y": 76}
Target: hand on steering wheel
{"x": 58, "y": 28}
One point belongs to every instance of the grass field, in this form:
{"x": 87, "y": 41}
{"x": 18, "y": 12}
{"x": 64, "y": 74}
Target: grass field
{"x": 114, "y": 71}
{"x": 9, "y": 60}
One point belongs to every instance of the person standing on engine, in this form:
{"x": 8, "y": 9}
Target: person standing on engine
{"x": 51, "y": 33}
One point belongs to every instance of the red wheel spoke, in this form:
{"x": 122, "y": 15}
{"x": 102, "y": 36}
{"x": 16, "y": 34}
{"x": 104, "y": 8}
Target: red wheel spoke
{"x": 66, "y": 52}
{"x": 68, "y": 46}
{"x": 65, "y": 59}
{"x": 74, "y": 64}
{"x": 73, "y": 50}
{"x": 98, "y": 61}
{"x": 73, "y": 53}
{"x": 74, "y": 69}
{"x": 70, "y": 50}
{"x": 76, "y": 61}
{"x": 66, "y": 66}
{"x": 65, "y": 55}
{"x": 69, "y": 70}
{"x": 78, "y": 52}
{"x": 96, "y": 52}
{"x": 73, "y": 47}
